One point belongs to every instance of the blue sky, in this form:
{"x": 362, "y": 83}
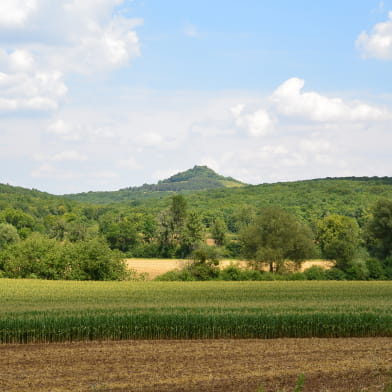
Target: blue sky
{"x": 104, "y": 94}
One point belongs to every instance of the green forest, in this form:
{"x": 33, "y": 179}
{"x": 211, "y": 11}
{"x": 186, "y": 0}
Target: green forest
{"x": 87, "y": 236}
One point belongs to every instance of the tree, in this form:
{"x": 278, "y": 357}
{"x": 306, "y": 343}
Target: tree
{"x": 8, "y": 235}
{"x": 122, "y": 235}
{"x": 193, "y": 233}
{"x": 243, "y": 217}
{"x": 205, "y": 265}
{"x": 275, "y": 236}
{"x": 93, "y": 260}
{"x": 35, "y": 256}
{"x": 218, "y": 231}
{"x": 171, "y": 229}
{"x": 23, "y": 222}
{"x": 338, "y": 237}
{"x": 378, "y": 231}
{"x": 46, "y": 258}
{"x": 178, "y": 212}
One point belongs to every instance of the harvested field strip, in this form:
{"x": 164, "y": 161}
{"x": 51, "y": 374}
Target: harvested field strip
{"x": 339, "y": 365}
{"x": 42, "y": 311}
{"x": 155, "y": 267}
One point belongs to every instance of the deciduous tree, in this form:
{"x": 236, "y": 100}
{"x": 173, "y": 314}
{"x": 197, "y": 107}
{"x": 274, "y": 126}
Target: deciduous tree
{"x": 275, "y": 237}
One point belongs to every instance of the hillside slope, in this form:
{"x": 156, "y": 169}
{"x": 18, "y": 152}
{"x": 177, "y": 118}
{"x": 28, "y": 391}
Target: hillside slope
{"x": 195, "y": 179}
{"x": 309, "y": 200}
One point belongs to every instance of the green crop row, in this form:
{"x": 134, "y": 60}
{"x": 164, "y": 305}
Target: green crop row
{"x": 177, "y": 325}
{"x": 42, "y": 311}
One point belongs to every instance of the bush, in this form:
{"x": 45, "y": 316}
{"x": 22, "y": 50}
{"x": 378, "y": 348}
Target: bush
{"x": 37, "y": 255}
{"x": 357, "y": 271}
{"x": 232, "y": 273}
{"x": 93, "y": 260}
{"x": 388, "y": 268}
{"x": 315, "y": 273}
{"x": 203, "y": 271}
{"x": 233, "y": 249}
{"x": 270, "y": 276}
{"x": 44, "y": 258}
{"x": 176, "y": 275}
{"x": 335, "y": 274}
{"x": 375, "y": 269}
{"x": 294, "y": 276}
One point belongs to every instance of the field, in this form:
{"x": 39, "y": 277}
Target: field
{"x": 338, "y": 365}
{"x": 162, "y": 336}
{"x": 155, "y": 267}
{"x": 58, "y": 311}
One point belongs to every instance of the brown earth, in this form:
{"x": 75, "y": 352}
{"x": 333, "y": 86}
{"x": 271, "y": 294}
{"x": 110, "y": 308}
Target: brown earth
{"x": 341, "y": 365}
{"x": 155, "y": 267}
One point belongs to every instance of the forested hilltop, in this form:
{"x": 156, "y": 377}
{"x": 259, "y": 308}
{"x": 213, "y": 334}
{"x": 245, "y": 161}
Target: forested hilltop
{"x": 197, "y": 178}
{"x": 348, "y": 220}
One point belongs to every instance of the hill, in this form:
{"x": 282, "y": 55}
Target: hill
{"x": 309, "y": 200}
{"x": 195, "y": 179}
{"x": 32, "y": 201}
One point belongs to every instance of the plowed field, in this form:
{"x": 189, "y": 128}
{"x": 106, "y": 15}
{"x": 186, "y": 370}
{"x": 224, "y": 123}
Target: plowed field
{"x": 341, "y": 365}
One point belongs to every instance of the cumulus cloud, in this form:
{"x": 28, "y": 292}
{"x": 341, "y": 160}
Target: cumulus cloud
{"x": 15, "y": 13}
{"x": 99, "y": 48}
{"x": 256, "y": 123}
{"x": 290, "y": 100}
{"x": 39, "y": 91}
{"x": 72, "y": 130}
{"x": 65, "y": 130}
{"x": 57, "y": 38}
{"x": 378, "y": 43}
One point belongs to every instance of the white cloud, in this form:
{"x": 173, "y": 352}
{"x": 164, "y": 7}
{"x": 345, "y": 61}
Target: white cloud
{"x": 65, "y": 130}
{"x": 275, "y": 150}
{"x": 69, "y": 155}
{"x": 51, "y": 172}
{"x": 99, "y": 48}
{"x": 20, "y": 60}
{"x": 89, "y": 130}
{"x": 150, "y": 139}
{"x": 378, "y": 43}
{"x": 22, "y": 87}
{"x": 55, "y": 38}
{"x": 15, "y": 13}
{"x": 153, "y": 131}
{"x": 290, "y": 100}
{"x": 257, "y": 123}
{"x": 129, "y": 163}
{"x": 315, "y": 145}
{"x": 105, "y": 175}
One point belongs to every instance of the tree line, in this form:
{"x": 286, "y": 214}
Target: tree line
{"x": 87, "y": 242}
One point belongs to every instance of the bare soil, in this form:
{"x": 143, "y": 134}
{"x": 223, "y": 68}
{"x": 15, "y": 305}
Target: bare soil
{"x": 341, "y": 365}
{"x": 155, "y": 267}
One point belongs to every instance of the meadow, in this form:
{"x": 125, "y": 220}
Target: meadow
{"x": 61, "y": 311}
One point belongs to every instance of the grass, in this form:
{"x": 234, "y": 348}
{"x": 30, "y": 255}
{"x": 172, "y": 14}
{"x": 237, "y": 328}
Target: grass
{"x": 47, "y": 311}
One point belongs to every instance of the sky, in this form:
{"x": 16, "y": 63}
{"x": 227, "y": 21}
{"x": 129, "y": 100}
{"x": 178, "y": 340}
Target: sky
{"x": 106, "y": 94}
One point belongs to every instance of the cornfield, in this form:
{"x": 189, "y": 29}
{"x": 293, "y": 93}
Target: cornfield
{"x": 53, "y": 311}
